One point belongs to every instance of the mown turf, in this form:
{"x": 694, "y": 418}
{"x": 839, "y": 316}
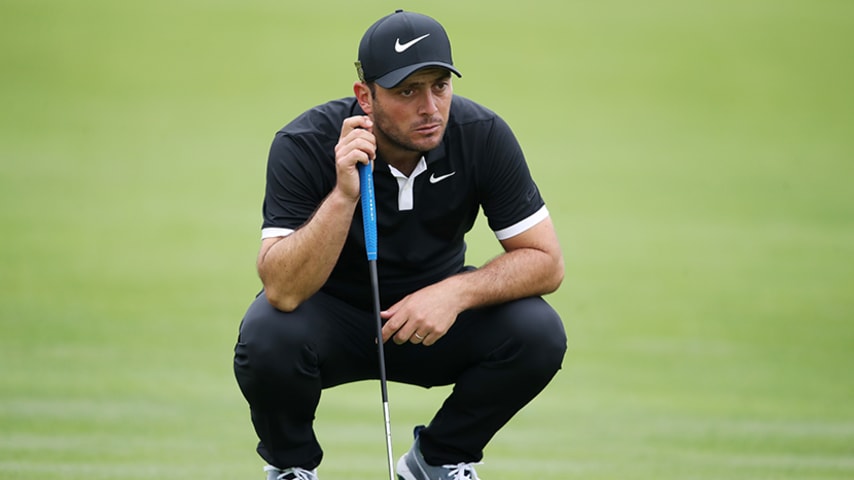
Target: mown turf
{"x": 695, "y": 156}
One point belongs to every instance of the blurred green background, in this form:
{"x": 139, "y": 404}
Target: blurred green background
{"x": 696, "y": 158}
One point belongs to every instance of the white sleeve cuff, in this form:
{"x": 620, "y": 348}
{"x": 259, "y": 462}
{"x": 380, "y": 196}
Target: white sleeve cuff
{"x": 272, "y": 232}
{"x": 524, "y": 225}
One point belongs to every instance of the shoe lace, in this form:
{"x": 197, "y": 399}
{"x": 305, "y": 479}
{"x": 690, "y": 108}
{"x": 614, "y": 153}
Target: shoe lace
{"x": 297, "y": 474}
{"x": 462, "y": 471}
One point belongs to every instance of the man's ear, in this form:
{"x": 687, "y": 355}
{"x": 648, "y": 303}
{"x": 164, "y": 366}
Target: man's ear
{"x": 363, "y": 96}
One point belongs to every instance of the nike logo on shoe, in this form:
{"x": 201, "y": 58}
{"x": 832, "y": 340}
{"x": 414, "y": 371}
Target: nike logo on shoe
{"x": 435, "y": 179}
{"x": 400, "y": 48}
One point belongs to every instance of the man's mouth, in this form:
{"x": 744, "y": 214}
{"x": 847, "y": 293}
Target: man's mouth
{"x": 428, "y": 128}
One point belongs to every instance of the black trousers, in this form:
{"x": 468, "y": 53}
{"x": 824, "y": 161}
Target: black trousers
{"x": 498, "y": 359}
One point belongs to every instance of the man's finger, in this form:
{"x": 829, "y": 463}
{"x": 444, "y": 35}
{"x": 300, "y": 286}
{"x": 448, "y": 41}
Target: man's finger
{"x": 353, "y": 123}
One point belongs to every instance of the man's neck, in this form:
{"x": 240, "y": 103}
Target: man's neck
{"x": 403, "y": 160}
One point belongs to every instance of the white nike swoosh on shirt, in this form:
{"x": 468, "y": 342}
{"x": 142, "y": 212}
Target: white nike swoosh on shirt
{"x": 435, "y": 179}
{"x": 400, "y": 48}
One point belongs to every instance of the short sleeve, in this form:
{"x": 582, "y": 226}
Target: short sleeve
{"x": 510, "y": 199}
{"x": 297, "y": 182}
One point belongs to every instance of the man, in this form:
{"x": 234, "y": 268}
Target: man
{"x": 437, "y": 159}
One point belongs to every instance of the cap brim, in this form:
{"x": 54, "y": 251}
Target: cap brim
{"x": 394, "y": 77}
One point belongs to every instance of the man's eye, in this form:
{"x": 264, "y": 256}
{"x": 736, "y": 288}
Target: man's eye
{"x": 407, "y": 92}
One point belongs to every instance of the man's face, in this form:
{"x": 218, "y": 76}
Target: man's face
{"x": 413, "y": 115}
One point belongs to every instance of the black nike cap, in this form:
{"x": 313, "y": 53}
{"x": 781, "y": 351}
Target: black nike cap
{"x": 399, "y": 44}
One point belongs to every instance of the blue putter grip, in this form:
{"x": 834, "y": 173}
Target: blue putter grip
{"x": 369, "y": 210}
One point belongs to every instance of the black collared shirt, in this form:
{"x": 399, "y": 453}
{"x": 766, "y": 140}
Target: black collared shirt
{"x": 421, "y": 219}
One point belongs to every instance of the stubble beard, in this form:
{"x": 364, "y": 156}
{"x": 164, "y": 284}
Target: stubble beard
{"x": 394, "y": 135}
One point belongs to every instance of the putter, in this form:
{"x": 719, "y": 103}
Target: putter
{"x": 369, "y": 219}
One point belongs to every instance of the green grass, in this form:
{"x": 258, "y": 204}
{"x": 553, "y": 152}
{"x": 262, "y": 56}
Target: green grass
{"x": 696, "y": 158}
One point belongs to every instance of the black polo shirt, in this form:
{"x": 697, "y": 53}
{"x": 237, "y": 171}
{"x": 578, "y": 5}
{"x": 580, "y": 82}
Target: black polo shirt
{"x": 422, "y": 218}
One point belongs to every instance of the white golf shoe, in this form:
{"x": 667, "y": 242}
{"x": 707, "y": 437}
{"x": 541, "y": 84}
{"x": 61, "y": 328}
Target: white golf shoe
{"x": 296, "y": 473}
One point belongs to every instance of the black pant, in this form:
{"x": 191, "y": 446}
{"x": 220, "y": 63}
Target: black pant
{"x": 498, "y": 358}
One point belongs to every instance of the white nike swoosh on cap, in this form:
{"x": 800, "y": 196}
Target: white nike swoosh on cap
{"x": 435, "y": 179}
{"x": 404, "y": 47}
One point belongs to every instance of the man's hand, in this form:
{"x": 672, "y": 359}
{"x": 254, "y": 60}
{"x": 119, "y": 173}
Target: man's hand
{"x": 422, "y": 317}
{"x": 356, "y": 144}
{"x": 531, "y": 265}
